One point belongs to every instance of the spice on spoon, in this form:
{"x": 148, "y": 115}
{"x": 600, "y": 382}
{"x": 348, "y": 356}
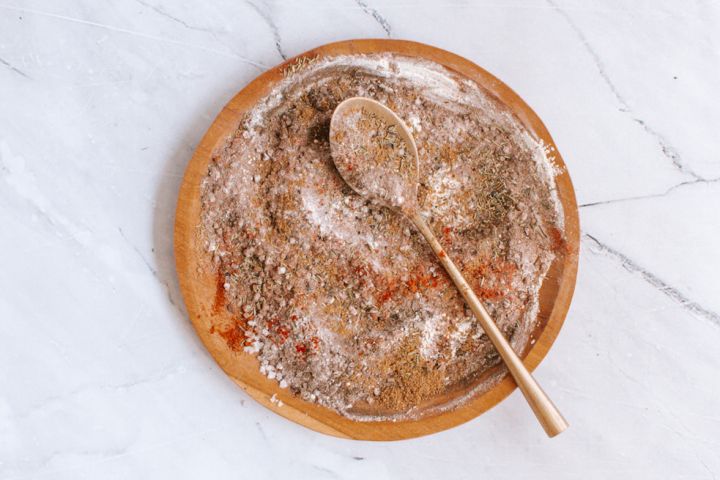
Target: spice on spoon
{"x": 373, "y": 157}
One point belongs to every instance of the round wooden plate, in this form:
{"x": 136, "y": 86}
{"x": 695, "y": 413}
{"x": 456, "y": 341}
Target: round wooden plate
{"x": 198, "y": 282}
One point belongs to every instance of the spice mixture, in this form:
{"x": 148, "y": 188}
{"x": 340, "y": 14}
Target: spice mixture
{"x": 341, "y": 300}
{"x": 373, "y": 158}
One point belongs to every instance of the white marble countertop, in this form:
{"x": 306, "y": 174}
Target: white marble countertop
{"x": 101, "y": 104}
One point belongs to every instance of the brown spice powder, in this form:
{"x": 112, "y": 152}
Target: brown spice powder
{"x": 415, "y": 378}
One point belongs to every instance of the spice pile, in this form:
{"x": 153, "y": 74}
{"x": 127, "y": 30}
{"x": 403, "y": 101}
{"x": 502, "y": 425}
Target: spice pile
{"x": 341, "y": 300}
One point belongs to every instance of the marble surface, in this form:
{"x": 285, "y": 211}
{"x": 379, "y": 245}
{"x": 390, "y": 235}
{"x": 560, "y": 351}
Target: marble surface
{"x": 101, "y": 104}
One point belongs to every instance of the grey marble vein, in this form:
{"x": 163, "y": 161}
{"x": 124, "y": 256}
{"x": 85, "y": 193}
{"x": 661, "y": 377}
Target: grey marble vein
{"x": 154, "y": 273}
{"x": 667, "y": 150}
{"x": 705, "y": 466}
{"x": 65, "y": 18}
{"x": 103, "y": 453}
{"x": 384, "y": 24}
{"x": 14, "y": 68}
{"x": 656, "y": 282}
{"x": 264, "y": 13}
{"x": 599, "y": 64}
{"x": 166, "y": 14}
{"x": 326, "y": 471}
{"x": 128, "y": 385}
{"x": 53, "y": 219}
{"x": 654, "y": 195}
{"x": 139, "y": 253}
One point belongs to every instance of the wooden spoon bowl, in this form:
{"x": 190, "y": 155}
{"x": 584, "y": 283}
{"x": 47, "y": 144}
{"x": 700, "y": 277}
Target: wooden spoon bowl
{"x": 199, "y": 284}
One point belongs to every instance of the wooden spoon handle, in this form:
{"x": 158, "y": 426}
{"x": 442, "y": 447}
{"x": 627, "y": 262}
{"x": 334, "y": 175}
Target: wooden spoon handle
{"x": 546, "y": 412}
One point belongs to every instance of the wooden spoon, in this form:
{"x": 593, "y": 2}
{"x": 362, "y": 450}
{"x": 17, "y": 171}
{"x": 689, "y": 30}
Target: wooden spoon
{"x": 376, "y": 155}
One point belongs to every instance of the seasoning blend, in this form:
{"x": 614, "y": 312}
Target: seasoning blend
{"x": 372, "y": 156}
{"x": 339, "y": 299}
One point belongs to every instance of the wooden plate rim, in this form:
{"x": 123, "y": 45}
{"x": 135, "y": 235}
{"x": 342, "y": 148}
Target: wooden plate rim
{"x": 195, "y": 288}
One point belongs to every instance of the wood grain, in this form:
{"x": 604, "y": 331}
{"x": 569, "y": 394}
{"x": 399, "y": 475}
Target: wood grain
{"x": 197, "y": 279}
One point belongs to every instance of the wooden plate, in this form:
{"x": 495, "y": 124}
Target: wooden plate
{"x": 198, "y": 283}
